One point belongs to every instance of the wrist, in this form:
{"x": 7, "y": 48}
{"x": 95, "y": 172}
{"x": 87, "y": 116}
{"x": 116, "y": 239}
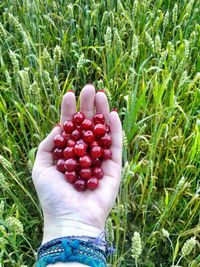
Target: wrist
{"x": 59, "y": 227}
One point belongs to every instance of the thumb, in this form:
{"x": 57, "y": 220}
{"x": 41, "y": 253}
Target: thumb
{"x": 44, "y": 154}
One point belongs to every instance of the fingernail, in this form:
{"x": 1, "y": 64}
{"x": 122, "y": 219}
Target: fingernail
{"x": 70, "y": 91}
{"x": 101, "y": 91}
{"x": 57, "y": 125}
{"x": 115, "y": 109}
{"x": 90, "y": 84}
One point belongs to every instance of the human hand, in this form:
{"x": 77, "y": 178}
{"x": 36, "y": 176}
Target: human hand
{"x": 66, "y": 211}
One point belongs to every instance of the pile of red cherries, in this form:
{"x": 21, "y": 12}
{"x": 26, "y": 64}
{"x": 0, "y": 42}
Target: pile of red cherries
{"x": 80, "y": 150}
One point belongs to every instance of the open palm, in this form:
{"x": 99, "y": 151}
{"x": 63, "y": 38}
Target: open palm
{"x": 63, "y": 207}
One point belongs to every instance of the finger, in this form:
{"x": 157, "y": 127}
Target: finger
{"x": 87, "y": 100}
{"x": 68, "y": 107}
{"x": 102, "y": 105}
{"x": 112, "y": 174}
{"x": 44, "y": 154}
{"x": 116, "y": 136}
{"x": 109, "y": 185}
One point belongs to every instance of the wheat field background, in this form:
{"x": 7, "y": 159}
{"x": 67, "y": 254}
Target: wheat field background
{"x": 145, "y": 55}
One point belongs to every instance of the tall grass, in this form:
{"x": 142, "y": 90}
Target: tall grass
{"x": 145, "y": 54}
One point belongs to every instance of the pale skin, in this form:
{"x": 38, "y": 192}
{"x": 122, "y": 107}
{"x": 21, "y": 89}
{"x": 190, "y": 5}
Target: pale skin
{"x": 66, "y": 211}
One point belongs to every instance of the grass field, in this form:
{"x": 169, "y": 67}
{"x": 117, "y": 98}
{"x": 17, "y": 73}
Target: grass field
{"x": 145, "y": 54}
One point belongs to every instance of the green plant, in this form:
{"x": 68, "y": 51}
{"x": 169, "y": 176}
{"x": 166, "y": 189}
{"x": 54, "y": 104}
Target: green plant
{"x": 145, "y": 55}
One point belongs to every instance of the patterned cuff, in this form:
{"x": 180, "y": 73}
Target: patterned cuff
{"x": 70, "y": 250}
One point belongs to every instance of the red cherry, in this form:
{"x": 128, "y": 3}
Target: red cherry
{"x": 71, "y": 143}
{"x": 88, "y": 136}
{"x": 92, "y": 183}
{"x": 57, "y": 153}
{"x": 105, "y": 141}
{"x": 82, "y": 142}
{"x": 99, "y": 129}
{"x": 85, "y": 173}
{"x": 78, "y": 127}
{"x": 68, "y": 126}
{"x": 70, "y": 164}
{"x": 70, "y": 176}
{"x": 75, "y": 135}
{"x": 85, "y": 161}
{"x": 78, "y": 118}
{"x": 68, "y": 152}
{"x": 98, "y": 118}
{"x": 80, "y": 185}
{"x": 59, "y": 141}
{"x": 107, "y": 128}
{"x": 65, "y": 135}
{"x": 80, "y": 149}
{"x": 107, "y": 154}
{"x": 96, "y": 162}
{"x": 94, "y": 143}
{"x": 87, "y": 124}
{"x": 82, "y": 133}
{"x": 97, "y": 172}
{"x": 60, "y": 165}
{"x": 96, "y": 151}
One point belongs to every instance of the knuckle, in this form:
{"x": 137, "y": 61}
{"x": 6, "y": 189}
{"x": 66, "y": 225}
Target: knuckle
{"x": 41, "y": 146}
